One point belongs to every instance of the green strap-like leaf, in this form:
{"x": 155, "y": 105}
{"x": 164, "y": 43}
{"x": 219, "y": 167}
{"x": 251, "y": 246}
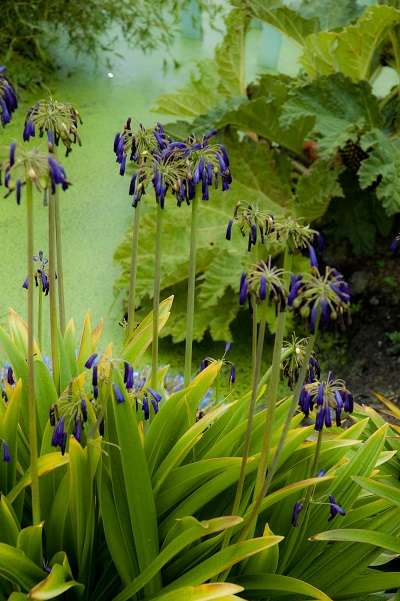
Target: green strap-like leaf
{"x": 270, "y": 583}
{"x": 16, "y": 567}
{"x": 224, "y": 560}
{"x": 378, "y": 539}
{"x": 195, "y": 531}
{"x": 56, "y": 583}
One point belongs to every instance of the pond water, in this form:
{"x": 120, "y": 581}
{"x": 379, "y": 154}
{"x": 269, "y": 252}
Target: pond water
{"x": 96, "y": 209}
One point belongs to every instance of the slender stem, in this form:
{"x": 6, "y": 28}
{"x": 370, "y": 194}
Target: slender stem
{"x": 40, "y": 317}
{"x": 250, "y": 418}
{"x": 133, "y": 274}
{"x": 31, "y": 374}
{"x": 291, "y": 412}
{"x": 257, "y": 358}
{"x": 60, "y": 269}
{"x": 299, "y": 532}
{"x": 191, "y": 291}
{"x": 272, "y": 393}
{"x": 156, "y": 298}
{"x": 52, "y": 294}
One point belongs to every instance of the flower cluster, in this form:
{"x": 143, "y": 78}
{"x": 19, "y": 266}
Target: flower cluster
{"x": 330, "y": 396}
{"x": 321, "y": 297}
{"x": 265, "y": 282}
{"x": 253, "y": 223}
{"x": 42, "y": 170}
{"x": 291, "y": 366}
{"x": 73, "y": 419}
{"x": 258, "y": 225}
{"x": 40, "y": 273}
{"x": 8, "y": 98}
{"x": 334, "y": 510}
{"x": 58, "y": 120}
{"x": 171, "y": 165}
{"x": 135, "y": 384}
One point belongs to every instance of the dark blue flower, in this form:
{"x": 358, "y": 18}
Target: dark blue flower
{"x": 334, "y": 508}
{"x": 328, "y": 418}
{"x": 29, "y": 130}
{"x": 78, "y": 429}
{"x": 263, "y": 288}
{"x": 119, "y": 397}
{"x": 58, "y": 433}
{"x": 10, "y": 376}
{"x": 18, "y": 187}
{"x": 228, "y": 234}
{"x": 84, "y": 411}
{"x": 91, "y": 360}
{"x": 228, "y": 346}
{"x": 319, "y": 420}
{"x": 244, "y": 289}
{"x": 313, "y": 256}
{"x": 295, "y": 284}
{"x": 297, "y": 508}
{"x": 8, "y": 98}
{"x": 95, "y": 378}
{"x": 156, "y": 396}
{"x": 232, "y": 375}
{"x": 6, "y": 452}
{"x": 95, "y": 392}
{"x": 11, "y": 159}
{"x": 146, "y": 409}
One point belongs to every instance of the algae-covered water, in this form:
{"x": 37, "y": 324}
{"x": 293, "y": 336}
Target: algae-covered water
{"x": 96, "y": 210}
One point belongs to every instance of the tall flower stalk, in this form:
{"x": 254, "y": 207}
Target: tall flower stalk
{"x": 60, "y": 122}
{"x": 176, "y": 167}
{"x": 156, "y": 299}
{"x": 191, "y": 293}
{"x": 32, "y": 168}
{"x": 31, "y": 374}
{"x": 53, "y": 292}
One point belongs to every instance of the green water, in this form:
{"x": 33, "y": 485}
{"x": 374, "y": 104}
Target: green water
{"x": 96, "y": 209}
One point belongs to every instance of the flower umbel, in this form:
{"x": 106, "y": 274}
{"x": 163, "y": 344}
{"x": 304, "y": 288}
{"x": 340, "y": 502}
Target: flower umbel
{"x": 291, "y": 366}
{"x": 331, "y": 397}
{"x": 267, "y": 283}
{"x": 8, "y": 98}
{"x": 325, "y": 296}
{"x": 59, "y": 120}
{"x": 41, "y": 264}
{"x": 41, "y": 169}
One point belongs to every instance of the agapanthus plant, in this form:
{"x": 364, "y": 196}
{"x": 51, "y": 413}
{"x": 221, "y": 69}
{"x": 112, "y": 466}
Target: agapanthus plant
{"x": 179, "y": 168}
{"x": 32, "y": 169}
{"x": 60, "y": 122}
{"x": 331, "y": 397}
{"x": 8, "y": 98}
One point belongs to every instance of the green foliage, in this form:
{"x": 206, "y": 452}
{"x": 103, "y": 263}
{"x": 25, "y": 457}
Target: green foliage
{"x": 321, "y": 136}
{"x": 137, "y": 509}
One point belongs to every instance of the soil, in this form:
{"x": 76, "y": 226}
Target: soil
{"x": 367, "y": 354}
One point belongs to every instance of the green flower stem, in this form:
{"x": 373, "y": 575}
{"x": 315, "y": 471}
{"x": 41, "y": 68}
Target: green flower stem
{"x": 191, "y": 291}
{"x": 52, "y": 293}
{"x": 290, "y": 413}
{"x": 133, "y": 274}
{"x": 271, "y": 400}
{"x": 250, "y": 415}
{"x": 31, "y": 374}
{"x": 298, "y": 533}
{"x": 156, "y": 298}
{"x": 40, "y": 318}
{"x": 60, "y": 269}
